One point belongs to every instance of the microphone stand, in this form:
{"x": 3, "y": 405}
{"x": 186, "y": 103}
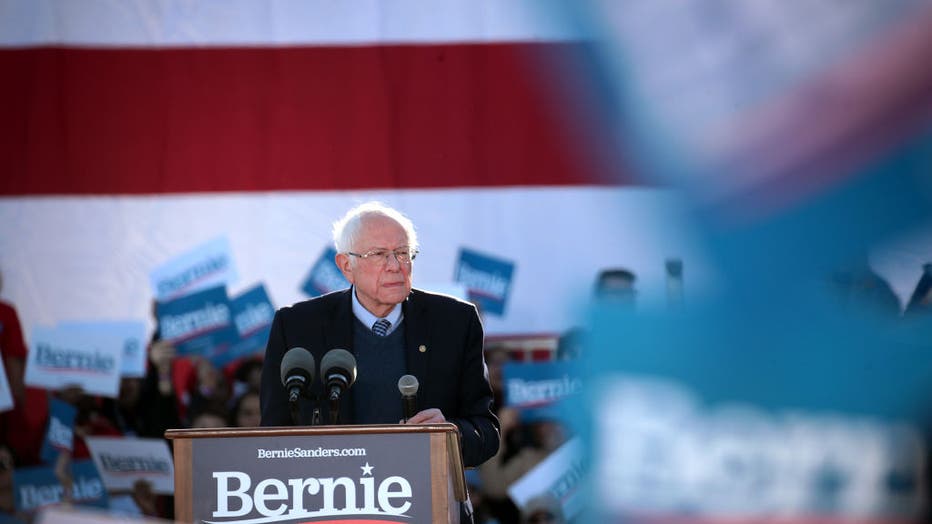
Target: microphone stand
{"x": 295, "y": 413}
{"x": 294, "y": 406}
{"x": 334, "y": 406}
{"x": 315, "y": 412}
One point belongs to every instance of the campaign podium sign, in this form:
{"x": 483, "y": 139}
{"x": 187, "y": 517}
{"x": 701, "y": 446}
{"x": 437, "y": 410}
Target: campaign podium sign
{"x": 372, "y": 473}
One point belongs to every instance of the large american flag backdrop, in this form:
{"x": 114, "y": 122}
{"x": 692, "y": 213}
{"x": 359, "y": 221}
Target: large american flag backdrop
{"x": 135, "y": 131}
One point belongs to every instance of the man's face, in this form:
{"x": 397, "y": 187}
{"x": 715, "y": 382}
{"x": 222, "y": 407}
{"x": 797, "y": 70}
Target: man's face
{"x": 380, "y": 284}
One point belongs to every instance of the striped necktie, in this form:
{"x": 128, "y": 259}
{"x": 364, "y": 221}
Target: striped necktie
{"x": 381, "y": 327}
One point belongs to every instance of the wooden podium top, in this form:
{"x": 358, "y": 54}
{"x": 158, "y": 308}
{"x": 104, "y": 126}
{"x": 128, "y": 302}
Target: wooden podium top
{"x": 348, "y": 429}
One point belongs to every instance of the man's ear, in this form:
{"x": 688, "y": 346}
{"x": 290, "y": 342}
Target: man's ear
{"x": 344, "y": 263}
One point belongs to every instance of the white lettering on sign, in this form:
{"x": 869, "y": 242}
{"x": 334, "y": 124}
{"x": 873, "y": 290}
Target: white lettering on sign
{"x": 274, "y": 498}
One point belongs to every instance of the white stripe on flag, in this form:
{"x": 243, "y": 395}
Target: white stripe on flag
{"x": 90, "y": 257}
{"x": 172, "y": 23}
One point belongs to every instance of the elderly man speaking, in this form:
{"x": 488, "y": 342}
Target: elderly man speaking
{"x": 391, "y": 330}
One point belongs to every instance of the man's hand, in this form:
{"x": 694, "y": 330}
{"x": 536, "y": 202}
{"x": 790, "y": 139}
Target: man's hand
{"x": 509, "y": 420}
{"x": 145, "y": 498}
{"x": 162, "y": 353}
{"x": 428, "y": 416}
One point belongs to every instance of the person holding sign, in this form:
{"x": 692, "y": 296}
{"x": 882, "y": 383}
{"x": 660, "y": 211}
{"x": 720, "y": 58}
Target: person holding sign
{"x": 436, "y": 338}
{"x": 23, "y": 426}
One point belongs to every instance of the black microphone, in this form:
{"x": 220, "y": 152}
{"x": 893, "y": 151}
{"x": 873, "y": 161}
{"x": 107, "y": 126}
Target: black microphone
{"x": 408, "y": 385}
{"x": 297, "y": 372}
{"x": 338, "y": 372}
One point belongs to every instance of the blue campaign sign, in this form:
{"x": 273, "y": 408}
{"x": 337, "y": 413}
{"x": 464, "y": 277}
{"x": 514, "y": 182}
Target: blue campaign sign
{"x": 487, "y": 278}
{"x": 252, "y": 316}
{"x": 324, "y": 276}
{"x": 60, "y": 434}
{"x": 799, "y": 406}
{"x": 538, "y": 385}
{"x": 37, "y": 487}
{"x": 207, "y": 265}
{"x": 199, "y": 324}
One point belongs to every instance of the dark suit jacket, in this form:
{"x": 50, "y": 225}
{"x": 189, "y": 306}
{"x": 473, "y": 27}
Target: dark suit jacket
{"x": 451, "y": 369}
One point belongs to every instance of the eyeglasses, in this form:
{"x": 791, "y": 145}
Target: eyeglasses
{"x": 403, "y": 255}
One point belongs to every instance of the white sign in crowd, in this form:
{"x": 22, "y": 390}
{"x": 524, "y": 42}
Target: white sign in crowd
{"x": 123, "y": 461}
{"x": 559, "y": 476}
{"x": 88, "y": 355}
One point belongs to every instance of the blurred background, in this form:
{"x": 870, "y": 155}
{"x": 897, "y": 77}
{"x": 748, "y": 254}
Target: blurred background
{"x": 699, "y": 234}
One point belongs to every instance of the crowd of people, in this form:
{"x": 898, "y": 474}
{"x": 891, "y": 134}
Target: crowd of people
{"x": 191, "y": 392}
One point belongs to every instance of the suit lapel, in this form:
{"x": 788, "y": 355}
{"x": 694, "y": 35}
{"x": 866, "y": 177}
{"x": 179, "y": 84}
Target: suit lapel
{"x": 417, "y": 342}
{"x": 339, "y": 334}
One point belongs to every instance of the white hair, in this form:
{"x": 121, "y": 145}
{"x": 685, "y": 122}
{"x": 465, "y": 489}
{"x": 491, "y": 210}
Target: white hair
{"x": 346, "y": 230}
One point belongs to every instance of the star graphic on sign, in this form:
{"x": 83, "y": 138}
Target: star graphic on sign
{"x": 367, "y": 469}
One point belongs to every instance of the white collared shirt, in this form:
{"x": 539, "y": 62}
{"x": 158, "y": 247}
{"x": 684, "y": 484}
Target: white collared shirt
{"x": 368, "y": 319}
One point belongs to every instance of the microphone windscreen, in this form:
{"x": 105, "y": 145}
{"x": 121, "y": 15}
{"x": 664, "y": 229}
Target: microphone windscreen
{"x": 338, "y": 359}
{"x": 408, "y": 385}
{"x": 297, "y": 358}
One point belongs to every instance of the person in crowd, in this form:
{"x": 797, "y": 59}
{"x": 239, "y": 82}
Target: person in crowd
{"x": 210, "y": 388}
{"x": 543, "y": 509}
{"x": 245, "y": 412}
{"x": 144, "y": 406}
{"x": 13, "y": 350}
{"x": 209, "y": 415}
{"x": 191, "y": 382}
{"x": 7, "y": 464}
{"x": 495, "y": 503}
{"x": 496, "y": 359}
{"x": 90, "y": 420}
{"x": 524, "y": 446}
{"x": 158, "y": 396}
{"x": 571, "y": 343}
{"x": 24, "y": 426}
{"x": 482, "y": 513}
{"x": 246, "y": 374}
{"x": 616, "y": 286}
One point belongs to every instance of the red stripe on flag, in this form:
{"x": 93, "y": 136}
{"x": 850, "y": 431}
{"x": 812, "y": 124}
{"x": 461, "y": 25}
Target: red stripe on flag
{"x": 138, "y": 121}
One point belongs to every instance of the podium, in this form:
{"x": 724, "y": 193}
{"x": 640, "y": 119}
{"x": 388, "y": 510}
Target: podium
{"x": 372, "y": 473}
